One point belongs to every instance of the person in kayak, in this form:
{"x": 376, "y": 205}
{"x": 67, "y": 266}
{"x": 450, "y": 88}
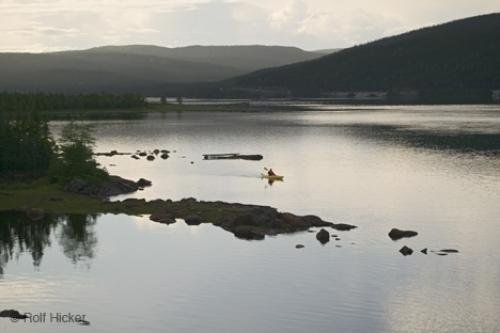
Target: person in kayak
{"x": 271, "y": 173}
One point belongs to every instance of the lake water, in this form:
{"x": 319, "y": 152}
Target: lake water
{"x": 433, "y": 169}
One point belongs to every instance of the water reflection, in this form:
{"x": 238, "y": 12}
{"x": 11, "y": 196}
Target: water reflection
{"x": 485, "y": 143}
{"x": 18, "y": 235}
{"x": 77, "y": 237}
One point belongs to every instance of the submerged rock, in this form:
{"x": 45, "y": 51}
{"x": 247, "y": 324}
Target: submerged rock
{"x": 343, "y": 227}
{"x": 449, "y": 251}
{"x": 14, "y": 314}
{"x": 406, "y": 251}
{"x": 445, "y": 252}
{"x": 323, "y": 236}
{"x": 396, "y": 234}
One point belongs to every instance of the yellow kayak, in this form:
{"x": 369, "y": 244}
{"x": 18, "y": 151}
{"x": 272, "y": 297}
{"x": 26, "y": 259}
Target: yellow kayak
{"x": 272, "y": 177}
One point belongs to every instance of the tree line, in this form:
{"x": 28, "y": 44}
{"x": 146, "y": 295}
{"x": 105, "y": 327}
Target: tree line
{"x": 28, "y": 150}
{"x": 54, "y": 102}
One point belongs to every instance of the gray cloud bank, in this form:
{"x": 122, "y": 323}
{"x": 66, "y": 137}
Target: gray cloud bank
{"x": 31, "y": 25}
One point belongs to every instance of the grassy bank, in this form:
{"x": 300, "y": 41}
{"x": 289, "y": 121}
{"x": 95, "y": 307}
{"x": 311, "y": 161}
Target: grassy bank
{"x": 49, "y": 197}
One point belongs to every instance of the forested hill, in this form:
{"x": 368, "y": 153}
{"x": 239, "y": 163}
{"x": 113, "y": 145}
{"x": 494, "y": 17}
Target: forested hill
{"x": 460, "y": 57}
{"x": 136, "y": 68}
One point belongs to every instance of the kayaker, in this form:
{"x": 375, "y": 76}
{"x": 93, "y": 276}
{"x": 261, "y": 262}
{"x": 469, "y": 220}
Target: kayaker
{"x": 271, "y": 173}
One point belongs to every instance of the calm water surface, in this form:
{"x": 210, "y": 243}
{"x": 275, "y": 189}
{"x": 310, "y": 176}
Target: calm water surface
{"x": 431, "y": 169}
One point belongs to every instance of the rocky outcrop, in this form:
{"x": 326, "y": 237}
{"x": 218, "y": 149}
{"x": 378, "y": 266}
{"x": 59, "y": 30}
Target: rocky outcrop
{"x": 248, "y": 233}
{"x": 396, "y": 234}
{"x": 164, "y": 217}
{"x": 107, "y": 188}
{"x": 244, "y": 221}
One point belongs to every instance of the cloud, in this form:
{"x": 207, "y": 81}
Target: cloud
{"x": 310, "y": 24}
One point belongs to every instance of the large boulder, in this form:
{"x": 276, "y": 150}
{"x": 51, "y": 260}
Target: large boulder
{"x": 396, "y": 234}
{"x": 323, "y": 236}
{"x": 406, "y": 251}
{"x": 14, "y": 314}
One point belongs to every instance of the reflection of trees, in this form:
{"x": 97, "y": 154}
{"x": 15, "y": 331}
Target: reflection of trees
{"x": 18, "y": 234}
{"x": 77, "y": 237}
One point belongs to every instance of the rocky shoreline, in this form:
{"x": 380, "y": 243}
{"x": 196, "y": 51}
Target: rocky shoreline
{"x": 250, "y": 222}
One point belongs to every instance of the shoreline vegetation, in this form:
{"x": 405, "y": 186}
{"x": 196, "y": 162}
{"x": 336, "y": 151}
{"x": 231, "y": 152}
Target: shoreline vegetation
{"x": 54, "y": 107}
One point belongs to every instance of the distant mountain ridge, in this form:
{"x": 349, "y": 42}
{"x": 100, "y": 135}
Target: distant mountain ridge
{"x": 244, "y": 57}
{"x": 459, "y": 59}
{"x": 137, "y": 68}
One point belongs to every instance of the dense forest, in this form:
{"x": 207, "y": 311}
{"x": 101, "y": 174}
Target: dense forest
{"x": 457, "y": 60}
{"x": 53, "y": 102}
{"x": 28, "y": 149}
{"x": 26, "y": 144}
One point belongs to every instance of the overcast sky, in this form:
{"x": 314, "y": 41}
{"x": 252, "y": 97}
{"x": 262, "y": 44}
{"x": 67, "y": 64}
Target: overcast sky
{"x": 47, "y": 25}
